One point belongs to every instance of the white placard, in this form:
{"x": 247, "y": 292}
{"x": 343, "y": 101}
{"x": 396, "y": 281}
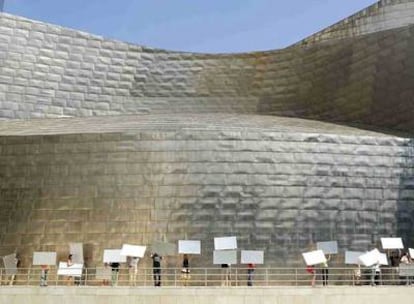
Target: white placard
{"x": 252, "y": 257}
{"x": 113, "y": 256}
{"x": 225, "y": 257}
{"x": 370, "y": 258}
{"x": 72, "y": 271}
{"x": 10, "y": 264}
{"x": 314, "y": 257}
{"x": 189, "y": 247}
{"x": 382, "y": 259}
{"x": 44, "y": 258}
{"x": 103, "y": 274}
{"x": 164, "y": 249}
{"x": 76, "y": 250}
{"x": 411, "y": 252}
{"x": 225, "y": 243}
{"x": 330, "y": 247}
{"x": 352, "y": 257}
{"x": 392, "y": 243}
{"x": 133, "y": 250}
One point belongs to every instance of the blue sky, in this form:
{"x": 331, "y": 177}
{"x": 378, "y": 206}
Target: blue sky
{"x": 193, "y": 25}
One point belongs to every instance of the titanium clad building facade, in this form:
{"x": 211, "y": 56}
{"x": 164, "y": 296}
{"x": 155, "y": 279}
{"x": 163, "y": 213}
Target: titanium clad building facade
{"x": 104, "y": 142}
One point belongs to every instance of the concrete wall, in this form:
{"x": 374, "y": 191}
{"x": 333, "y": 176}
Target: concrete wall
{"x": 277, "y": 191}
{"x": 49, "y": 71}
{"x": 345, "y": 295}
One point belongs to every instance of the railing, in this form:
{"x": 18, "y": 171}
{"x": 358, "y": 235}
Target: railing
{"x": 209, "y": 277}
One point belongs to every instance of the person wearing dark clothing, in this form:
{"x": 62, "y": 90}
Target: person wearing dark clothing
{"x": 115, "y": 271}
{"x": 156, "y": 268}
{"x": 250, "y": 270}
{"x": 185, "y": 270}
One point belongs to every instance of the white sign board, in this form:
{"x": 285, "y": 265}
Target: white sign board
{"x": 164, "y": 249}
{"x": 330, "y": 247}
{"x": 392, "y": 243}
{"x": 10, "y": 264}
{"x": 370, "y": 258}
{"x": 411, "y": 252}
{"x": 225, "y": 257}
{"x": 252, "y": 257}
{"x": 314, "y": 257}
{"x": 44, "y": 258}
{"x": 72, "y": 271}
{"x": 76, "y": 250}
{"x": 189, "y": 247}
{"x": 382, "y": 259}
{"x": 113, "y": 256}
{"x": 352, "y": 257}
{"x": 133, "y": 250}
{"x": 224, "y": 243}
{"x": 103, "y": 274}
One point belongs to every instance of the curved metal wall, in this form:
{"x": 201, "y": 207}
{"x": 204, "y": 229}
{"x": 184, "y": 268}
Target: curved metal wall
{"x": 49, "y": 71}
{"x": 277, "y": 187}
{"x": 278, "y": 192}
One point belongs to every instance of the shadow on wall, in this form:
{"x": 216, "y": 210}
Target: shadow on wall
{"x": 405, "y": 203}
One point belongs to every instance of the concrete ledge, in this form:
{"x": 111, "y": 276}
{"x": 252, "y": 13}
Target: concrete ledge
{"x": 254, "y": 295}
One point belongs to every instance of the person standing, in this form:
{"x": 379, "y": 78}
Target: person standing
{"x": 185, "y": 270}
{"x": 105, "y": 280}
{"x": 375, "y": 274}
{"x": 405, "y": 260}
{"x": 156, "y": 268}
{"x": 69, "y": 263}
{"x": 13, "y": 276}
{"x": 225, "y": 275}
{"x": 312, "y": 271}
{"x": 133, "y": 270}
{"x": 250, "y": 271}
{"x": 43, "y": 275}
{"x": 325, "y": 271}
{"x": 114, "y": 273}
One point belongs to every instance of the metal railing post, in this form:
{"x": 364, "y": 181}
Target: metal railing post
{"x": 86, "y": 277}
{"x": 267, "y": 277}
{"x": 236, "y": 279}
{"x": 296, "y": 277}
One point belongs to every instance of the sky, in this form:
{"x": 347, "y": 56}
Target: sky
{"x": 207, "y": 26}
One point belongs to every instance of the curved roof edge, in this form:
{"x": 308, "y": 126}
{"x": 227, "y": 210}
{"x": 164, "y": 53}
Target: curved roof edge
{"x": 380, "y": 16}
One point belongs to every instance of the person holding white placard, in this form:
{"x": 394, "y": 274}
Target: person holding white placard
{"x": 405, "y": 259}
{"x": 225, "y": 275}
{"x": 250, "y": 271}
{"x": 69, "y": 263}
{"x": 357, "y": 275}
{"x": 17, "y": 263}
{"x": 105, "y": 281}
{"x": 133, "y": 269}
{"x": 43, "y": 275}
{"x": 325, "y": 271}
{"x": 312, "y": 271}
{"x": 156, "y": 268}
{"x": 375, "y": 274}
{"x": 114, "y": 273}
{"x": 185, "y": 270}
